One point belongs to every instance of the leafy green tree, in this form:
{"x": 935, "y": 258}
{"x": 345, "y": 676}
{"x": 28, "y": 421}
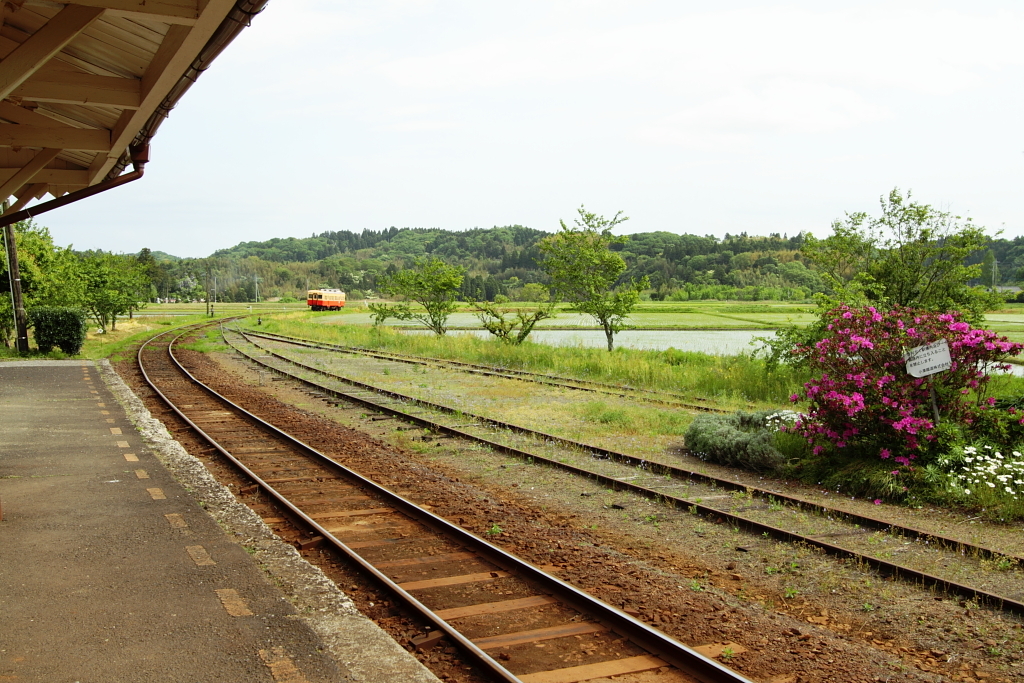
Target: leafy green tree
{"x": 158, "y": 274}
{"x": 912, "y": 255}
{"x": 534, "y": 291}
{"x": 584, "y": 271}
{"x": 431, "y": 283}
{"x": 114, "y": 285}
{"x": 989, "y": 270}
{"x": 511, "y": 327}
{"x": 49, "y": 274}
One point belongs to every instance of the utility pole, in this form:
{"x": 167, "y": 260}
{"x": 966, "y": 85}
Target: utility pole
{"x": 256, "y": 282}
{"x": 14, "y": 275}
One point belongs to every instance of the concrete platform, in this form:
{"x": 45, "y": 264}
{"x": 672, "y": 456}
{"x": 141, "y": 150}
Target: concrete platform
{"x": 110, "y": 570}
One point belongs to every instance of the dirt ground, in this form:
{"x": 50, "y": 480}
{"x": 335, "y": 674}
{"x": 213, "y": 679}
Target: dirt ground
{"x": 797, "y": 616}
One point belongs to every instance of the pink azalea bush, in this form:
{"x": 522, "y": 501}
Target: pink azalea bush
{"x": 862, "y": 396}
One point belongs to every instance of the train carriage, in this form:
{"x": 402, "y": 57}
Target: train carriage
{"x": 325, "y": 299}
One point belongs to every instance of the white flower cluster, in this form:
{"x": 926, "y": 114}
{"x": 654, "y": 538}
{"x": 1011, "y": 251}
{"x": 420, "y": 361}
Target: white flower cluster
{"x": 783, "y": 418}
{"x": 991, "y": 470}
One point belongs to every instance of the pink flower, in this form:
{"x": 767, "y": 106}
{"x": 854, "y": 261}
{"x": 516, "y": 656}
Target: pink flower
{"x": 884, "y": 453}
{"x": 878, "y": 501}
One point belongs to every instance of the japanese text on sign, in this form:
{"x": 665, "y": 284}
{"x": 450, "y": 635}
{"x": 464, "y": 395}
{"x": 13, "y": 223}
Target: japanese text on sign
{"x": 929, "y": 359}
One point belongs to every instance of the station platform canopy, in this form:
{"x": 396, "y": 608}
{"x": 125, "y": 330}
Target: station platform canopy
{"x": 82, "y": 84}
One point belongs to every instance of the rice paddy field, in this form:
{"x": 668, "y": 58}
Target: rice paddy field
{"x": 649, "y": 315}
{"x": 698, "y": 315}
{"x": 691, "y": 315}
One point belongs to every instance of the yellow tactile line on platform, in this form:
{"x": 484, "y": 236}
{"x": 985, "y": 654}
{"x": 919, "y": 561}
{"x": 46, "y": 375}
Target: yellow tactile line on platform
{"x": 176, "y": 521}
{"x": 233, "y": 602}
{"x": 199, "y": 555}
{"x": 281, "y": 666}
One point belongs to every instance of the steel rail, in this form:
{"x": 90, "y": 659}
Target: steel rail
{"x": 494, "y": 371}
{"x": 883, "y": 567}
{"x": 655, "y": 642}
{"x": 676, "y": 471}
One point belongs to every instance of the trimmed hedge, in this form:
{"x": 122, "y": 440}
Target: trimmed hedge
{"x": 739, "y": 440}
{"x": 58, "y": 326}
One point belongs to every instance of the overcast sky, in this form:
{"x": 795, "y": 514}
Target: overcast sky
{"x": 692, "y": 117}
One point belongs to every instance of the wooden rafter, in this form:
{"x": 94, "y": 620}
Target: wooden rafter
{"x": 28, "y": 172}
{"x": 54, "y": 176}
{"x": 166, "y": 11}
{"x": 68, "y": 87}
{"x": 16, "y": 114}
{"x": 42, "y": 45}
{"x": 84, "y": 139}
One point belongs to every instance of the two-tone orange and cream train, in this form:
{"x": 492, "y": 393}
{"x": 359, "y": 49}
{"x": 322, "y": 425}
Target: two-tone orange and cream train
{"x": 325, "y": 299}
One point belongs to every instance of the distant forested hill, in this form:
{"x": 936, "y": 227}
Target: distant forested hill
{"x": 501, "y": 260}
{"x": 393, "y": 242}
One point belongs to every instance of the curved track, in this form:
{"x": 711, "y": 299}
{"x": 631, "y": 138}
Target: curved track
{"x": 456, "y": 582}
{"x": 839, "y": 524}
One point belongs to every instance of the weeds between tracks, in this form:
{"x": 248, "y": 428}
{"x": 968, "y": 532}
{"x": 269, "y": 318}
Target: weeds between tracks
{"x": 729, "y": 380}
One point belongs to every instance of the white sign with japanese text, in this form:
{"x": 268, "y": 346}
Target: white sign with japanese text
{"x": 929, "y": 359}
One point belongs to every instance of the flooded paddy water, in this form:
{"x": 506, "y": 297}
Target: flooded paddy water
{"x": 711, "y": 341}
{"x": 714, "y": 342}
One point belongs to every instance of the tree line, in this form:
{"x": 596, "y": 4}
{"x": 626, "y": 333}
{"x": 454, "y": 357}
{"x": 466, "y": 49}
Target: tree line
{"x": 104, "y": 285}
{"x": 500, "y": 261}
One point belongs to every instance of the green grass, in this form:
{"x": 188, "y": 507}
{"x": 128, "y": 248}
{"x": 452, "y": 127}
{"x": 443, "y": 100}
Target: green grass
{"x": 207, "y": 342}
{"x": 732, "y": 379}
{"x": 640, "y": 420}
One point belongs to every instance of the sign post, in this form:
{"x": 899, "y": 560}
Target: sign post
{"x": 923, "y": 361}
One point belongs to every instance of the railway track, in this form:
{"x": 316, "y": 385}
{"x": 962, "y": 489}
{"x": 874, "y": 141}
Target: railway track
{"x": 740, "y": 505}
{"x": 664, "y": 398}
{"x": 485, "y": 601}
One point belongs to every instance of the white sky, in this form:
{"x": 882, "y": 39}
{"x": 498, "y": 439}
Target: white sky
{"x": 692, "y": 117}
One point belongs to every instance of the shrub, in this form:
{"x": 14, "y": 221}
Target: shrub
{"x": 864, "y": 399}
{"x": 740, "y": 439}
{"x": 58, "y": 326}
